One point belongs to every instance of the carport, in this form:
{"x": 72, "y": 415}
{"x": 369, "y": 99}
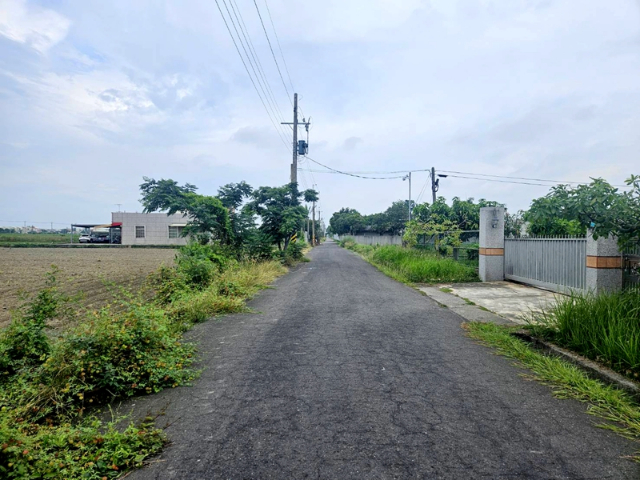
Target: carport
{"x": 114, "y": 229}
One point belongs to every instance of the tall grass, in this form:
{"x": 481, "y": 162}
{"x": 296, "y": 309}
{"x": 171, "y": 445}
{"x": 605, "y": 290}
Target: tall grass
{"x": 414, "y": 266}
{"x": 7, "y": 238}
{"x": 227, "y": 293}
{"x": 604, "y": 327}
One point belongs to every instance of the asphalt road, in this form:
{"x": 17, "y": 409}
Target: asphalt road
{"x": 346, "y": 373}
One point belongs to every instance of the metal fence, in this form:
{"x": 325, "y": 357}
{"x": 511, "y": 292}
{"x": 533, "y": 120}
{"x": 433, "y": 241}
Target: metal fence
{"x": 558, "y": 264}
{"x": 631, "y": 268}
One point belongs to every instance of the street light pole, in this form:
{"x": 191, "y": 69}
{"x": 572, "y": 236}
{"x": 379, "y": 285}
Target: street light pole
{"x": 408, "y": 177}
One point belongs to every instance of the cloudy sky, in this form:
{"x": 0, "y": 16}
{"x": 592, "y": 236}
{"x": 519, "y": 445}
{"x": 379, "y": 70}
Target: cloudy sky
{"x": 95, "y": 95}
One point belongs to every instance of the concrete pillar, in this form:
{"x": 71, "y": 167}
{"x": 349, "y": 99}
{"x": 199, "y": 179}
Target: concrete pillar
{"x": 491, "y": 244}
{"x": 604, "y": 264}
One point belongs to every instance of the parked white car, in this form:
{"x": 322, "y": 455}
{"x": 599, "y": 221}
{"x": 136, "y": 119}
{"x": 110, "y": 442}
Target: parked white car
{"x": 84, "y": 238}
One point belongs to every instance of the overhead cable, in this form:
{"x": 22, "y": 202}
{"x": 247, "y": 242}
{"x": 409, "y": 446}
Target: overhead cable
{"x": 249, "y": 74}
{"x": 272, "y": 52}
{"x": 279, "y": 46}
{"x": 256, "y": 58}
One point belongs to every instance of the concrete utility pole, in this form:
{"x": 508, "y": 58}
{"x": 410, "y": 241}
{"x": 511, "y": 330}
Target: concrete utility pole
{"x": 294, "y": 164}
{"x": 433, "y": 184}
{"x": 408, "y": 177}
{"x": 313, "y": 224}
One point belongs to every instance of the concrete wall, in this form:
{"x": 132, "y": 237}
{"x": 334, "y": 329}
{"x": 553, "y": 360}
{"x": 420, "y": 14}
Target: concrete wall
{"x": 604, "y": 264}
{"x": 156, "y": 228}
{"x": 374, "y": 239}
{"x": 491, "y": 259}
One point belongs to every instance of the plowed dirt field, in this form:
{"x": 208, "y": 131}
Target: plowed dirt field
{"x": 81, "y": 270}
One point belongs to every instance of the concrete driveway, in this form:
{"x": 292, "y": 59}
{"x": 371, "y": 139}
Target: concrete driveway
{"x": 507, "y": 299}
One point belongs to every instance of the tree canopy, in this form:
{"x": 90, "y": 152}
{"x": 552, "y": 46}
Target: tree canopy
{"x": 223, "y": 219}
{"x": 598, "y": 205}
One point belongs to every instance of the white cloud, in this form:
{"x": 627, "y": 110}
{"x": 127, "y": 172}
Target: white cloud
{"x": 40, "y": 28}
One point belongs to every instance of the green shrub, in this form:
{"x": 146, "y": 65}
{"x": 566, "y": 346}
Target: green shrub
{"x": 201, "y": 263}
{"x": 24, "y": 343}
{"x": 87, "y": 449}
{"x": 259, "y": 246}
{"x": 116, "y": 355}
{"x": 294, "y": 253}
{"x": 603, "y": 327}
{"x": 413, "y": 265}
{"x": 168, "y": 284}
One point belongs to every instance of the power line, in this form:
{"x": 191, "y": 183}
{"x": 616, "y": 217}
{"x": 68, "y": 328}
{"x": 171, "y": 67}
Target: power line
{"x": 273, "y": 109}
{"x": 424, "y": 187}
{"x": 249, "y": 74}
{"x": 356, "y": 176}
{"x": 499, "y": 181}
{"x": 514, "y": 178}
{"x": 271, "y": 48}
{"x": 279, "y": 46}
{"x": 466, "y": 175}
{"x": 256, "y": 58}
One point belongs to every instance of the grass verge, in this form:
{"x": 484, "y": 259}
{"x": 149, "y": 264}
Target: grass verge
{"x": 620, "y": 412}
{"x": 411, "y": 265}
{"x": 604, "y": 328}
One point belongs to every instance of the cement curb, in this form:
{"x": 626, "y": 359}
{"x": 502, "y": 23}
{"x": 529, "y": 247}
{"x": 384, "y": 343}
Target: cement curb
{"x": 592, "y": 368}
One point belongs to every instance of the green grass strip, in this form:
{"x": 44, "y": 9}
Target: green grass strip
{"x": 619, "y": 409}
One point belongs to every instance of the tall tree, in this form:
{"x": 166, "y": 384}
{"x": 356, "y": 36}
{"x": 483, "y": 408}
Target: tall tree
{"x": 280, "y": 211}
{"x": 208, "y": 218}
{"x": 347, "y": 221}
{"x": 597, "y": 205}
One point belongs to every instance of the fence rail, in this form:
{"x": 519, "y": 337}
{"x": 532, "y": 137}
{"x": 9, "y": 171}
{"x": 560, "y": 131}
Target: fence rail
{"x": 558, "y": 264}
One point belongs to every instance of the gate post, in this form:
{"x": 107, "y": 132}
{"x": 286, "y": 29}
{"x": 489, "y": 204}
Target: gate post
{"x": 491, "y": 259}
{"x": 604, "y": 264}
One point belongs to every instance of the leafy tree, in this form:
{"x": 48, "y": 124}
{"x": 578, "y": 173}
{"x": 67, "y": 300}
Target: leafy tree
{"x": 513, "y": 224}
{"x": 598, "y": 205}
{"x": 397, "y": 215}
{"x": 158, "y": 195}
{"x": 280, "y": 211}
{"x": 445, "y": 234}
{"x": 208, "y": 217}
{"x": 310, "y": 195}
{"x": 232, "y": 195}
{"x": 346, "y": 221}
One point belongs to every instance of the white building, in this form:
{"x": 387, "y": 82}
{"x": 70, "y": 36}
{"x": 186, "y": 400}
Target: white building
{"x": 150, "y": 228}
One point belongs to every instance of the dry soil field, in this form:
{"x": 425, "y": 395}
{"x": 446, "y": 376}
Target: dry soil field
{"x": 81, "y": 270}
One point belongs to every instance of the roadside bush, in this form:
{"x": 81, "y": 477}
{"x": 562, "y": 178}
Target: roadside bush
{"x": 24, "y": 343}
{"x": 113, "y": 355}
{"x": 603, "y": 327}
{"x": 347, "y": 242}
{"x": 44, "y": 432}
{"x": 259, "y": 246}
{"x": 414, "y": 266}
{"x": 201, "y": 263}
{"x": 87, "y": 449}
{"x": 294, "y": 253}
{"x": 168, "y": 284}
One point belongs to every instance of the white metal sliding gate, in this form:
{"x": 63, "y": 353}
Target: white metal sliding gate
{"x": 559, "y": 264}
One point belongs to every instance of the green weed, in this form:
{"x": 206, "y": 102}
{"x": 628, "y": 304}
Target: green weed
{"x": 604, "y": 327}
{"x": 412, "y": 265}
{"x": 51, "y": 384}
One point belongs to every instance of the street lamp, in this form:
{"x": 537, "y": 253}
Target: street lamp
{"x": 408, "y": 177}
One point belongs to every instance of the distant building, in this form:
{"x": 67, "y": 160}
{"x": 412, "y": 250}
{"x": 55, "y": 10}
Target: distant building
{"x": 150, "y": 228}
